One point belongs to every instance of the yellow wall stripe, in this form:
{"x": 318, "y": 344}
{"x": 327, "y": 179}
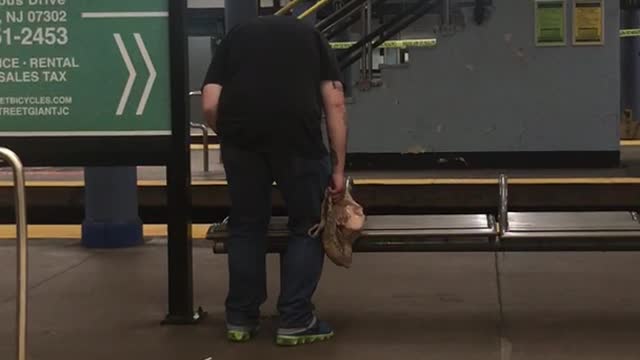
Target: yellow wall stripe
{"x": 382, "y": 182}
{"x": 74, "y": 232}
{"x": 201, "y": 147}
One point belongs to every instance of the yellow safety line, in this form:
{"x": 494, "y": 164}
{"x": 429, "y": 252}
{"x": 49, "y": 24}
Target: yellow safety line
{"x": 201, "y": 147}
{"x": 73, "y": 232}
{"x": 630, "y": 143}
{"x": 382, "y": 181}
{"x": 46, "y": 183}
{"x": 491, "y": 181}
{"x": 80, "y": 183}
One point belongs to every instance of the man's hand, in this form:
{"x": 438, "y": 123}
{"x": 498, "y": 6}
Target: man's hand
{"x": 338, "y": 186}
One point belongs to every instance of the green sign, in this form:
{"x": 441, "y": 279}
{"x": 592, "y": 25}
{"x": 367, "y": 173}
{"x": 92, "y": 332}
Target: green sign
{"x": 84, "y": 68}
{"x": 550, "y": 23}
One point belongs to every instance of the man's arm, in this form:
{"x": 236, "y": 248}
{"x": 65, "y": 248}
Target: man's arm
{"x": 213, "y": 83}
{"x": 336, "y": 113}
{"x": 210, "y": 101}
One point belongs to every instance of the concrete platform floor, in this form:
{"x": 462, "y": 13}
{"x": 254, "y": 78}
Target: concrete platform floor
{"x": 98, "y": 305}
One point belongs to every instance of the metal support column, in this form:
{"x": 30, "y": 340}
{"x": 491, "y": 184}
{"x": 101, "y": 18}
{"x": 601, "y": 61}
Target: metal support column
{"x": 111, "y": 208}
{"x": 179, "y": 249}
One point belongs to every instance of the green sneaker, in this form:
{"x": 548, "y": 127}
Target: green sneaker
{"x": 241, "y": 333}
{"x": 318, "y": 331}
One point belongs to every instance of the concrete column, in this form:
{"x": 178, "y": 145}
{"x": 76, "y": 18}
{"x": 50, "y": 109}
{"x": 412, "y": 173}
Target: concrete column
{"x": 111, "y": 208}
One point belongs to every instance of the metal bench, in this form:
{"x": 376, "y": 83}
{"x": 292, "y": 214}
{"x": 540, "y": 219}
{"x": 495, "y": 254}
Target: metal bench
{"x": 395, "y": 233}
{"x": 558, "y": 231}
{"x": 513, "y": 231}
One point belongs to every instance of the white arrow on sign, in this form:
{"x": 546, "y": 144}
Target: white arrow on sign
{"x": 132, "y": 74}
{"x": 152, "y": 74}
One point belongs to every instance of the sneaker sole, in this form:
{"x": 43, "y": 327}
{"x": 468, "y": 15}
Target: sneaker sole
{"x": 238, "y": 336}
{"x": 283, "y": 340}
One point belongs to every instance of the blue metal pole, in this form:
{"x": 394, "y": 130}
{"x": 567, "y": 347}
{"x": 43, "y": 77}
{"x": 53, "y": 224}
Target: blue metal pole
{"x": 111, "y": 208}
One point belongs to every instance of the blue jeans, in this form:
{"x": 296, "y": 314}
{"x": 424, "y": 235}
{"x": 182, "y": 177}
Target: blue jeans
{"x": 302, "y": 183}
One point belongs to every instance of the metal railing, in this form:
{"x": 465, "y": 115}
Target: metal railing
{"x": 386, "y": 31}
{"x": 317, "y": 6}
{"x": 205, "y": 136}
{"x": 503, "y": 210}
{"x": 288, "y": 7}
{"x": 21, "y": 236}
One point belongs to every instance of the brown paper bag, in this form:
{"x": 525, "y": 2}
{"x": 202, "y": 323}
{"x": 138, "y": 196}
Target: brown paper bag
{"x": 341, "y": 224}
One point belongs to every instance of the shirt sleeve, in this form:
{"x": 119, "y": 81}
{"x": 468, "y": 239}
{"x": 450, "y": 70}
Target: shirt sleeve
{"x": 330, "y": 70}
{"x": 218, "y": 66}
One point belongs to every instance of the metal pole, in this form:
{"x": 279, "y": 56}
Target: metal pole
{"x": 320, "y": 4}
{"x": 179, "y": 248}
{"x": 346, "y": 11}
{"x": 503, "y": 219}
{"x": 369, "y": 48}
{"x": 21, "y": 232}
{"x": 363, "y": 59}
{"x": 205, "y": 134}
{"x": 446, "y": 14}
{"x": 395, "y": 25}
{"x": 282, "y": 11}
{"x": 205, "y": 144}
{"x": 385, "y": 32}
{"x": 633, "y": 48}
{"x": 343, "y": 22}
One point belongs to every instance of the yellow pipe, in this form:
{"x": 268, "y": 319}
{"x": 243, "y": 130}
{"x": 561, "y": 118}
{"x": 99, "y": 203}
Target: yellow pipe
{"x": 288, "y": 7}
{"x": 314, "y": 8}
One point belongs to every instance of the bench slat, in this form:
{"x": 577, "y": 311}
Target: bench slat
{"x": 572, "y": 225}
{"x": 387, "y": 225}
{"x": 391, "y": 233}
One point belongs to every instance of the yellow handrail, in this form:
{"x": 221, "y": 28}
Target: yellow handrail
{"x": 288, "y": 7}
{"x": 314, "y": 8}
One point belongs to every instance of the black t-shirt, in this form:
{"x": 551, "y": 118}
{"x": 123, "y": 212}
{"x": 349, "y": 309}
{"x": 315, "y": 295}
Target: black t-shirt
{"x": 270, "y": 70}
